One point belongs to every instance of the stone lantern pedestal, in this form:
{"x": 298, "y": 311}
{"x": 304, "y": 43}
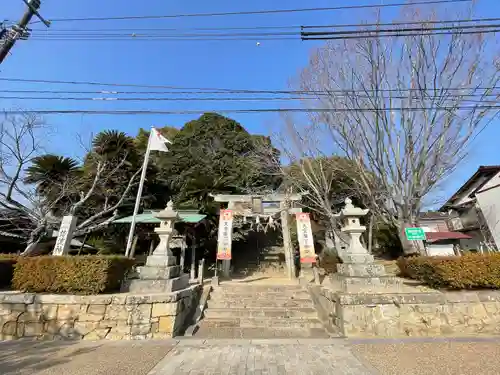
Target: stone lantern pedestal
{"x": 359, "y": 272}
{"x": 161, "y": 274}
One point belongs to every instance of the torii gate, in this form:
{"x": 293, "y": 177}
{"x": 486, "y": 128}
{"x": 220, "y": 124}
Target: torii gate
{"x": 254, "y": 205}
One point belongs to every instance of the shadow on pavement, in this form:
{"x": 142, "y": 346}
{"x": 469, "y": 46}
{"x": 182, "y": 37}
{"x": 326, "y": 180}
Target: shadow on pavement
{"x": 28, "y": 356}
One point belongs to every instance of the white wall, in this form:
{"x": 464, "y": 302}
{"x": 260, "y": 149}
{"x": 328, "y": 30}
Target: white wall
{"x": 489, "y": 203}
{"x": 440, "y": 249}
{"x": 465, "y": 195}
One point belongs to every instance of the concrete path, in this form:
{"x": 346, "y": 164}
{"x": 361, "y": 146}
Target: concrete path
{"x": 464, "y": 356}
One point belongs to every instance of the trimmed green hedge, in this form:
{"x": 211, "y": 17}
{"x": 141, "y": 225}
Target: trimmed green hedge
{"x": 329, "y": 263}
{"x": 471, "y": 271}
{"x": 7, "y": 262}
{"x": 70, "y": 274}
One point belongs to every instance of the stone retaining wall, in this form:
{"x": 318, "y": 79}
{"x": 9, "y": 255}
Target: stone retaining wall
{"x": 113, "y": 316}
{"x": 419, "y": 314}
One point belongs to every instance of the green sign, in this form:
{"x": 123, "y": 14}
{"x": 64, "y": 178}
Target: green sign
{"x": 415, "y": 234}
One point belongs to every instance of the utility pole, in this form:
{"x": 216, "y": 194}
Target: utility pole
{"x": 20, "y": 30}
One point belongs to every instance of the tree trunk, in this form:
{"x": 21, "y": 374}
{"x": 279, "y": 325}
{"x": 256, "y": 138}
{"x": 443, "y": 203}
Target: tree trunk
{"x": 370, "y": 234}
{"x": 34, "y": 240}
{"x": 409, "y": 247}
{"x": 31, "y": 248}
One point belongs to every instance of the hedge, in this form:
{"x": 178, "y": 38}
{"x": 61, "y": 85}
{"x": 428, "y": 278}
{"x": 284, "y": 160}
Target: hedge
{"x": 70, "y": 274}
{"x": 471, "y": 271}
{"x": 7, "y": 262}
{"x": 329, "y": 263}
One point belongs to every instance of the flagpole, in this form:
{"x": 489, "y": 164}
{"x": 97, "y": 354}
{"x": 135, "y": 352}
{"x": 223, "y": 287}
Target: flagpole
{"x": 139, "y": 195}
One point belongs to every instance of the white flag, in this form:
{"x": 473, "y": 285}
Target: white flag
{"x": 157, "y": 141}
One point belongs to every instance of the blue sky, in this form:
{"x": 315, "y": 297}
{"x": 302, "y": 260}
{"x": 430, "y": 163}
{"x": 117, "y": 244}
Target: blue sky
{"x": 231, "y": 64}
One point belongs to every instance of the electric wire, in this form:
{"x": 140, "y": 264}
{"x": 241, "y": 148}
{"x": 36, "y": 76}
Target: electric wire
{"x": 257, "y": 12}
{"x": 249, "y": 111}
{"x": 274, "y": 27}
{"x": 212, "y": 90}
{"x": 351, "y": 34}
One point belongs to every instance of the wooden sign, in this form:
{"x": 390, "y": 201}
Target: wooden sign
{"x": 225, "y": 237}
{"x": 305, "y": 237}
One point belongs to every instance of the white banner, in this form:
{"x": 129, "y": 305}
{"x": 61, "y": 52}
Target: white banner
{"x": 305, "y": 237}
{"x": 225, "y": 237}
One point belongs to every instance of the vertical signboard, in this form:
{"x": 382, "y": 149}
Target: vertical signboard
{"x": 305, "y": 237}
{"x": 225, "y": 235}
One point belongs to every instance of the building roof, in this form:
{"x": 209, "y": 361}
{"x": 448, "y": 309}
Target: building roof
{"x": 433, "y": 215}
{"x": 442, "y": 236}
{"x": 483, "y": 170}
{"x": 149, "y": 217}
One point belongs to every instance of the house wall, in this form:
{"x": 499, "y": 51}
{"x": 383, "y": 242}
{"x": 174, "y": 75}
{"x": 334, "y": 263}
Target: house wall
{"x": 489, "y": 202}
{"x": 465, "y": 195}
{"x": 433, "y": 225}
{"x": 474, "y": 243}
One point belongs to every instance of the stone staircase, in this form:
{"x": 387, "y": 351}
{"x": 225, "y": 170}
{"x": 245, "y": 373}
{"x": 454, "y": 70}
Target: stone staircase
{"x": 269, "y": 262}
{"x": 260, "y": 311}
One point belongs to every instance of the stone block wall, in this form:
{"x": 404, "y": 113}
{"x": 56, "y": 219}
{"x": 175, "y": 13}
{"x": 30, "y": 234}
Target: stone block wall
{"x": 114, "y": 316}
{"x": 419, "y": 314}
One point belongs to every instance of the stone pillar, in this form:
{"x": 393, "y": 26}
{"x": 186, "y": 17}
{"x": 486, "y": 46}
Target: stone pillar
{"x": 287, "y": 243}
{"x": 226, "y": 264}
{"x": 358, "y": 270}
{"x": 65, "y": 235}
{"x": 161, "y": 272}
{"x": 193, "y": 258}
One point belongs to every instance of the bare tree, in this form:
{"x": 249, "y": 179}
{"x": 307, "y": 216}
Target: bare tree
{"x": 33, "y": 215}
{"x": 403, "y": 109}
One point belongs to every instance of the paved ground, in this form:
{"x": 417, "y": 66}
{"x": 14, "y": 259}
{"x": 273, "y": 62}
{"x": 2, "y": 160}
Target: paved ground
{"x": 257, "y": 333}
{"x": 81, "y": 358}
{"x": 259, "y": 357}
{"x": 464, "y": 356}
{"x": 469, "y": 356}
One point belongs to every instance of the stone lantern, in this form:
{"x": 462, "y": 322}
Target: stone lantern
{"x": 358, "y": 270}
{"x": 161, "y": 272}
{"x": 168, "y": 218}
{"x": 350, "y": 216}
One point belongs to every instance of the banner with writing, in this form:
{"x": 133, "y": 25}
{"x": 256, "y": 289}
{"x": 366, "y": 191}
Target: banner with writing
{"x": 305, "y": 237}
{"x": 224, "y": 240}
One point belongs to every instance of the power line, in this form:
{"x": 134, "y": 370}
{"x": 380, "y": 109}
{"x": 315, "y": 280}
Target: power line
{"x": 261, "y": 110}
{"x": 268, "y": 11}
{"x": 357, "y": 93}
{"x": 400, "y": 30}
{"x": 274, "y": 27}
{"x": 377, "y": 35}
{"x": 457, "y": 97}
{"x": 422, "y": 22}
{"x": 351, "y": 34}
{"x": 165, "y": 39}
{"x": 225, "y": 90}
{"x": 156, "y": 99}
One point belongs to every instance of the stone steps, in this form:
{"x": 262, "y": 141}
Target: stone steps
{"x": 231, "y": 288}
{"x": 262, "y": 312}
{"x": 259, "y": 333}
{"x": 249, "y": 303}
{"x": 263, "y": 323}
{"x": 236, "y": 307}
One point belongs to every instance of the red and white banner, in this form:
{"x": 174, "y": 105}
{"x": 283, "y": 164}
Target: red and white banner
{"x": 225, "y": 237}
{"x": 305, "y": 237}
